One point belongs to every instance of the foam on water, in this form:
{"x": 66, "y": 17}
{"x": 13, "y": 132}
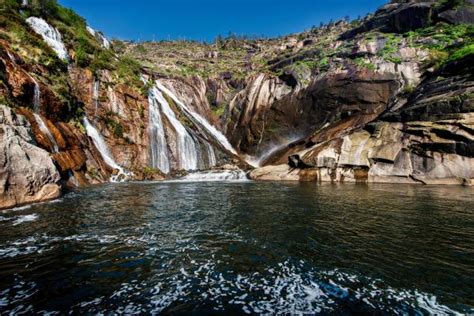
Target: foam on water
{"x": 286, "y": 288}
{"x": 16, "y": 209}
{"x": 24, "y": 219}
{"x": 215, "y": 175}
{"x": 206, "y": 249}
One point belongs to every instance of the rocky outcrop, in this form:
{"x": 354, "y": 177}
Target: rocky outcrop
{"x": 429, "y": 139}
{"x": 400, "y": 16}
{"x": 397, "y": 17}
{"x": 119, "y": 112}
{"x": 464, "y": 13}
{"x": 27, "y": 172}
{"x": 269, "y": 113}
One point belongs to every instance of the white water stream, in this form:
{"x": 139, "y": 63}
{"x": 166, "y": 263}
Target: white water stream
{"x": 45, "y": 130}
{"x": 158, "y": 146}
{"x": 198, "y": 119}
{"x": 186, "y": 148}
{"x": 101, "y": 146}
{"x": 50, "y": 35}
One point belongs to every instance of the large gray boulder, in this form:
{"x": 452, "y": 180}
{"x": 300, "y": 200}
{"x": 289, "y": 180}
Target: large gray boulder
{"x": 27, "y": 172}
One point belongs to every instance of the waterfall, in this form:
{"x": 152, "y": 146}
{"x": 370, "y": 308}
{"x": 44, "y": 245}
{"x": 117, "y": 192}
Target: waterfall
{"x": 186, "y": 148}
{"x": 113, "y": 100}
{"x": 104, "y": 42}
{"x": 158, "y": 147}
{"x": 211, "y": 155}
{"x": 215, "y": 175}
{"x": 44, "y": 129}
{"x": 50, "y": 35}
{"x": 36, "y": 95}
{"x": 199, "y": 120}
{"x": 101, "y": 146}
{"x": 95, "y": 95}
{"x": 39, "y": 120}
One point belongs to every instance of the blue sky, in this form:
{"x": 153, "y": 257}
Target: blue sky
{"x": 203, "y": 20}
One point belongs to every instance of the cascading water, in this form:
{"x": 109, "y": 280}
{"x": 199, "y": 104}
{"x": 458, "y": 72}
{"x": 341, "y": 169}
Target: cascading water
{"x": 101, "y": 146}
{"x": 39, "y": 120}
{"x": 104, "y": 42}
{"x": 158, "y": 147}
{"x": 50, "y": 35}
{"x": 198, "y": 119}
{"x": 44, "y": 129}
{"x": 186, "y": 148}
{"x": 211, "y": 155}
{"x": 36, "y": 95}
{"x": 95, "y": 95}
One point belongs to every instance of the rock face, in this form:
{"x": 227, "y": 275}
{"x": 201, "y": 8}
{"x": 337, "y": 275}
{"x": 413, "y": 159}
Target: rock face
{"x": 429, "y": 139}
{"x": 27, "y": 172}
{"x": 270, "y": 113}
{"x": 397, "y": 17}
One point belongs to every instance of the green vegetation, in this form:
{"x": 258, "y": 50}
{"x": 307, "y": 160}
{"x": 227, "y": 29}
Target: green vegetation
{"x": 408, "y": 89}
{"x": 128, "y": 70}
{"x": 113, "y": 125}
{"x": 363, "y": 63}
{"x": 440, "y": 36}
{"x": 149, "y": 172}
{"x": 461, "y": 53}
{"x": 219, "y": 110}
{"x": 390, "y": 49}
{"x": 449, "y": 4}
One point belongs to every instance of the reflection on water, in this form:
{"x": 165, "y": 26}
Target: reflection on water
{"x": 241, "y": 247}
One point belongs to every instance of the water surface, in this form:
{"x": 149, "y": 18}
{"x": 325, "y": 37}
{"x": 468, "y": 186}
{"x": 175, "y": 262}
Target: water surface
{"x": 242, "y": 247}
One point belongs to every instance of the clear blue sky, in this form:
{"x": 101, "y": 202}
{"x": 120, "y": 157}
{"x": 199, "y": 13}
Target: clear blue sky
{"x": 205, "y": 19}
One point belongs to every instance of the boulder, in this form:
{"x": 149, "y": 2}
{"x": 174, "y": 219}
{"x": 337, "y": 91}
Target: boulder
{"x": 27, "y": 172}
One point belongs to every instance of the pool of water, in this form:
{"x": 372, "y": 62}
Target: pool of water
{"x": 243, "y": 247}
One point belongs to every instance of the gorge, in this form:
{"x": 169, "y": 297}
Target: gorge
{"x": 185, "y": 140}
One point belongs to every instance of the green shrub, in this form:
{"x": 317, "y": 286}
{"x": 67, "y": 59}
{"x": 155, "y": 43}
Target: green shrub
{"x": 462, "y": 52}
{"x": 12, "y": 5}
{"x": 81, "y": 58}
{"x": 44, "y": 8}
{"x": 128, "y": 68}
{"x": 449, "y": 4}
{"x": 437, "y": 57}
{"x": 362, "y": 63}
{"x": 102, "y": 60}
{"x": 69, "y": 17}
{"x": 390, "y": 49}
{"x": 219, "y": 110}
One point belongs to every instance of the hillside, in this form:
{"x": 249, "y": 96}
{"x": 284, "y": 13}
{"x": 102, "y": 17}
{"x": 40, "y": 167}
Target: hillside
{"x": 388, "y": 98}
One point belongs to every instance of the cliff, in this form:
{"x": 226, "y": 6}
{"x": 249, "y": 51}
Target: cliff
{"x": 387, "y": 98}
